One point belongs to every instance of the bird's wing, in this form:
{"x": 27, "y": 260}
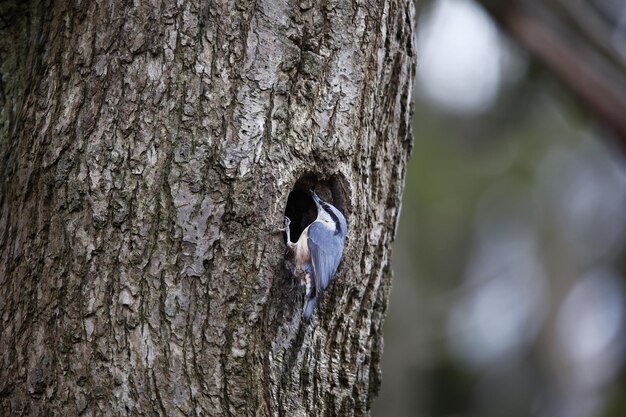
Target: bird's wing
{"x": 326, "y": 250}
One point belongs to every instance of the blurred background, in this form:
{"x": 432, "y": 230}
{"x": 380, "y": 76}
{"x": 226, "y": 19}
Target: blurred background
{"x": 509, "y": 290}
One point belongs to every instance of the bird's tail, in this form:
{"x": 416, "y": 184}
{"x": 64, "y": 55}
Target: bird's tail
{"x": 308, "y": 308}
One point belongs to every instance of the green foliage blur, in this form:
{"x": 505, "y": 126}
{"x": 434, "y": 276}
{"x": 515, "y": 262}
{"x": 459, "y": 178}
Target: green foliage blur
{"x": 509, "y": 294}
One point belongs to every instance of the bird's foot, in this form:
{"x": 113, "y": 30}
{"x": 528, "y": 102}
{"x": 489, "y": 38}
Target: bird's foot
{"x": 286, "y": 226}
{"x": 287, "y": 230}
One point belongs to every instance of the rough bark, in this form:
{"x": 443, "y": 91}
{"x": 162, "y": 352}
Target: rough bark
{"x": 149, "y": 150}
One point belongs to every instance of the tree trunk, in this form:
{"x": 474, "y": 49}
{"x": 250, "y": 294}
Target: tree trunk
{"x": 149, "y": 151}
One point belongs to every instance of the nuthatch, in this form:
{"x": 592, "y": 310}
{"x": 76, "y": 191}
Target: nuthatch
{"x": 318, "y": 251}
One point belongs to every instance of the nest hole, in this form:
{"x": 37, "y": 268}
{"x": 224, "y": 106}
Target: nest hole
{"x": 301, "y": 208}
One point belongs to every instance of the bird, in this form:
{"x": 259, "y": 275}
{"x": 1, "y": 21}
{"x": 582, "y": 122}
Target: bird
{"x": 318, "y": 251}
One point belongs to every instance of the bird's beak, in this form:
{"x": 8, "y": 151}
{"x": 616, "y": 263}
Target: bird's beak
{"x": 315, "y": 198}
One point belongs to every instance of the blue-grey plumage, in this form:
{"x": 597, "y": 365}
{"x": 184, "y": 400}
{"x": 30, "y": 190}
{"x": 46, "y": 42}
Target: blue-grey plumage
{"x": 318, "y": 251}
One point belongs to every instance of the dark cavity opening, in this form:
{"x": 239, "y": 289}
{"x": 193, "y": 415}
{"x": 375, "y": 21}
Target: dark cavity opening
{"x": 301, "y": 208}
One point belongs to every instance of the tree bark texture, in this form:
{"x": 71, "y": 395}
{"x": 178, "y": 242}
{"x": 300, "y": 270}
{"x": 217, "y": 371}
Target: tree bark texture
{"x": 149, "y": 151}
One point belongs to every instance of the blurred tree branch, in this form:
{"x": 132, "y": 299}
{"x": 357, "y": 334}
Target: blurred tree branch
{"x": 577, "y": 40}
